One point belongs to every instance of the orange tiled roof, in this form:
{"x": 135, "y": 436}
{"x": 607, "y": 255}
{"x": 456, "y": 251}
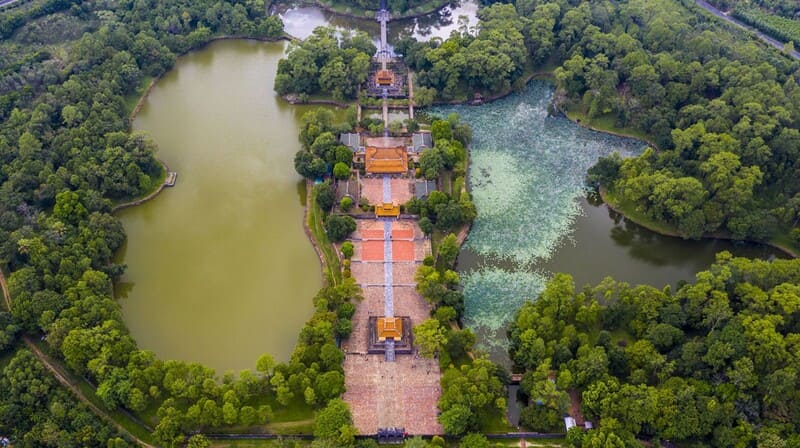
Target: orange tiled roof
{"x": 390, "y": 327}
{"x": 385, "y": 77}
{"x": 386, "y": 210}
{"x": 386, "y": 160}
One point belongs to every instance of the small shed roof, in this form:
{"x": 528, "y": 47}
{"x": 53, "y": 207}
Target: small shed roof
{"x": 422, "y": 188}
{"x": 351, "y": 140}
{"x": 569, "y": 422}
{"x": 421, "y": 140}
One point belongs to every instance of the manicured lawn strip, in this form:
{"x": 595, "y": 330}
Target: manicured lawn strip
{"x": 333, "y": 271}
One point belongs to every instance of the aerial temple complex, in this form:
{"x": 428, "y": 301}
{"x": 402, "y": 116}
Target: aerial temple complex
{"x": 391, "y": 390}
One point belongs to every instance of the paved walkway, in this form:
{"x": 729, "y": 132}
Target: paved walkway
{"x": 384, "y": 393}
{"x": 388, "y": 276}
{"x": 771, "y": 41}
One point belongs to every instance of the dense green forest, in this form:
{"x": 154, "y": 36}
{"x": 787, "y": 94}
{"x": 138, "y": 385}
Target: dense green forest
{"x": 37, "y": 412}
{"x": 67, "y": 156}
{"x": 724, "y": 112}
{"x": 326, "y": 62}
{"x": 714, "y": 363}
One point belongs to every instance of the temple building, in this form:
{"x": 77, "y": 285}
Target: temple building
{"x": 390, "y": 328}
{"x": 386, "y": 160}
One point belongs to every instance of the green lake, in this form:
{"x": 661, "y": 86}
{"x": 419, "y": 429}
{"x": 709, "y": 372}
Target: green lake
{"x": 527, "y": 171}
{"x": 219, "y": 267}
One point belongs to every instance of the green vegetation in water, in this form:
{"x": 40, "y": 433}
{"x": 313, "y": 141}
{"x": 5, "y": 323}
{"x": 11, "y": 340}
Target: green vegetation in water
{"x": 398, "y": 8}
{"x": 527, "y": 171}
{"x": 526, "y": 176}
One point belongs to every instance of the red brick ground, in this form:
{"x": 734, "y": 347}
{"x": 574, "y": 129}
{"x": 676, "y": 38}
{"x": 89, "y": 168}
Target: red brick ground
{"x": 404, "y": 393}
{"x": 371, "y": 234}
{"x": 372, "y": 250}
{"x": 401, "y": 234}
{"x": 402, "y": 251}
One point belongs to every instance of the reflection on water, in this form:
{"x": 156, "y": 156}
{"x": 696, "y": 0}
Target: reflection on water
{"x": 526, "y": 175}
{"x": 300, "y": 21}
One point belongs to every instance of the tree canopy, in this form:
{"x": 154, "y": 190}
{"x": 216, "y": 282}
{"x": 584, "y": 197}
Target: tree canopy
{"x": 711, "y": 363}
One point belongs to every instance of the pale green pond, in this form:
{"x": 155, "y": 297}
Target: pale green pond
{"x": 219, "y": 267}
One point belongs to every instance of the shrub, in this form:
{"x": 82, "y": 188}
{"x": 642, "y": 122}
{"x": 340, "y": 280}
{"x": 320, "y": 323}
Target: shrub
{"x": 347, "y": 249}
{"x": 341, "y": 170}
{"x": 339, "y": 227}
{"x": 346, "y": 204}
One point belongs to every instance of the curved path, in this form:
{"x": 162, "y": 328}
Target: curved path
{"x": 771, "y": 41}
{"x": 62, "y": 377}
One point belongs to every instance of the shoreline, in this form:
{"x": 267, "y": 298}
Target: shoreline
{"x": 149, "y": 196}
{"x": 292, "y": 99}
{"x": 497, "y": 96}
{"x": 616, "y": 133}
{"x": 319, "y": 4}
{"x": 310, "y": 235}
{"x": 146, "y": 94}
{"x": 706, "y": 236}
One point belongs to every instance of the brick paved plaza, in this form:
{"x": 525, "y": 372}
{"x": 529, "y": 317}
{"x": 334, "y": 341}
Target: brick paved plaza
{"x": 372, "y": 189}
{"x": 384, "y": 394}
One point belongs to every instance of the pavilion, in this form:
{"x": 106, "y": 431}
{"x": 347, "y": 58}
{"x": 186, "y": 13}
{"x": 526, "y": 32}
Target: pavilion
{"x": 392, "y": 160}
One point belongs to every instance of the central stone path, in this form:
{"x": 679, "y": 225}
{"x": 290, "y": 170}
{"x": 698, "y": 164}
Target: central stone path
{"x": 388, "y": 276}
{"x": 404, "y": 393}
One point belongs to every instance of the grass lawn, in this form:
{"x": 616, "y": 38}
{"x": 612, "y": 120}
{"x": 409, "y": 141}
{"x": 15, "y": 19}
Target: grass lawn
{"x": 604, "y": 123}
{"x": 630, "y": 212}
{"x": 132, "y": 99}
{"x": 333, "y": 272}
{"x": 254, "y": 443}
{"x": 496, "y": 424}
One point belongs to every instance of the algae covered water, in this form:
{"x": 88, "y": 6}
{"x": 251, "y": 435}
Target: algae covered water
{"x": 526, "y": 175}
{"x": 219, "y": 268}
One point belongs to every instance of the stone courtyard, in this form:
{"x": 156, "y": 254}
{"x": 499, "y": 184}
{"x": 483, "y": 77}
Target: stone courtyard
{"x": 382, "y": 394}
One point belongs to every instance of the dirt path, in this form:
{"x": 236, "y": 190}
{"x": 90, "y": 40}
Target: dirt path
{"x": 63, "y": 379}
{"x": 4, "y": 287}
